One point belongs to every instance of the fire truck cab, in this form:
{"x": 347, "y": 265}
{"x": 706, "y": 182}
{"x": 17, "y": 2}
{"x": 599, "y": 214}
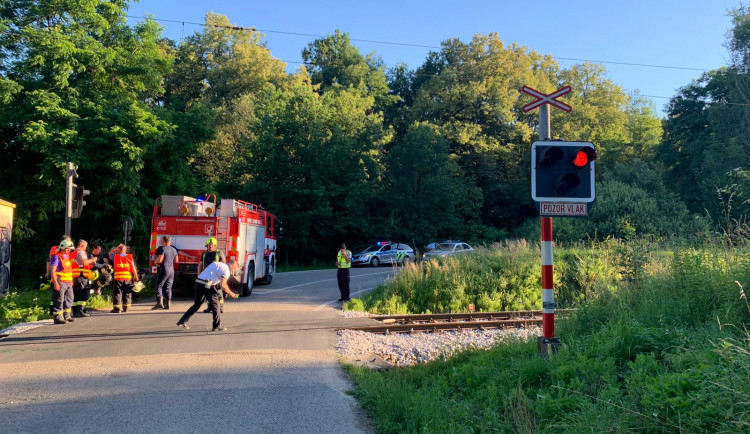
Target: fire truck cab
{"x": 244, "y": 231}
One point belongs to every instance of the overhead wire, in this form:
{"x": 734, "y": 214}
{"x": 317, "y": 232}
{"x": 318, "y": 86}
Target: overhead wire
{"x": 404, "y": 44}
{"x": 254, "y": 29}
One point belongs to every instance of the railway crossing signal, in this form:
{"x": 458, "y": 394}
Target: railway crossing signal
{"x": 562, "y": 173}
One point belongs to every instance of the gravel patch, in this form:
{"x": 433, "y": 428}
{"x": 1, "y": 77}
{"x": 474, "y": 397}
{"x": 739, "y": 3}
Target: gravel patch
{"x": 405, "y": 349}
{"x": 23, "y": 326}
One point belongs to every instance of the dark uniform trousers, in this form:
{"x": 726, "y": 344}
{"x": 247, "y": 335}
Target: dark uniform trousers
{"x": 81, "y": 291}
{"x": 164, "y": 281}
{"x": 342, "y": 275}
{"x": 210, "y": 294}
{"x": 122, "y": 294}
{"x": 62, "y": 300}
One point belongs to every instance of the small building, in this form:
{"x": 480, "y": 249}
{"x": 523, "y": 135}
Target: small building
{"x": 6, "y": 229}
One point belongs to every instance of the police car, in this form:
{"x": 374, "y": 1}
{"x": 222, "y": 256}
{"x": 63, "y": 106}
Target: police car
{"x": 384, "y": 252}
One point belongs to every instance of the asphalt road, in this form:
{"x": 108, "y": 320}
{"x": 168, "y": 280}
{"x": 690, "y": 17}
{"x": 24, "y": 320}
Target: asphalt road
{"x": 273, "y": 371}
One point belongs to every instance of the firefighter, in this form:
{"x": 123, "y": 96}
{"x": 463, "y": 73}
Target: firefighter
{"x": 208, "y": 257}
{"x": 52, "y": 252}
{"x": 82, "y": 275}
{"x": 62, "y": 281}
{"x": 209, "y": 286}
{"x": 166, "y": 259}
{"x": 126, "y": 275}
{"x": 343, "y": 263}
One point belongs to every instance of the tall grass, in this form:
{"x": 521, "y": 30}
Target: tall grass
{"x": 505, "y": 276}
{"x": 658, "y": 344}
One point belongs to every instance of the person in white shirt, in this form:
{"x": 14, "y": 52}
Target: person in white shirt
{"x": 208, "y": 286}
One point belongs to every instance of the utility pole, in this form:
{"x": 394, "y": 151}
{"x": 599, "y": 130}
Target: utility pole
{"x": 69, "y": 197}
{"x": 547, "y": 342}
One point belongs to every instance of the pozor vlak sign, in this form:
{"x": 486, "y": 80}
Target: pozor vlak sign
{"x": 562, "y": 178}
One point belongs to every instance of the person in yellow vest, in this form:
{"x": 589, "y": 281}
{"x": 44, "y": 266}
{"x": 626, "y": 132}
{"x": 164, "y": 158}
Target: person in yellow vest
{"x": 126, "y": 275}
{"x": 82, "y": 275}
{"x": 343, "y": 263}
{"x": 62, "y": 283}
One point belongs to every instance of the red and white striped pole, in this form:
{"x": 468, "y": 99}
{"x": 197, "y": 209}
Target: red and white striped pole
{"x": 548, "y": 287}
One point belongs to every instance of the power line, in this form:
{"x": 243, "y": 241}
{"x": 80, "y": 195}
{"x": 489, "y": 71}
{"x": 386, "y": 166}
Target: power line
{"x": 403, "y": 44}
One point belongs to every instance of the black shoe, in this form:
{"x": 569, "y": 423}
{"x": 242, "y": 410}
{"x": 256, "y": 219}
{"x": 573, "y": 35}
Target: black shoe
{"x": 183, "y": 326}
{"x": 340, "y": 299}
{"x": 207, "y": 310}
{"x": 69, "y": 318}
{"x": 219, "y": 329}
{"x": 166, "y": 303}
{"x": 115, "y": 310}
{"x": 124, "y": 309}
{"x": 347, "y": 299}
{"x": 157, "y": 307}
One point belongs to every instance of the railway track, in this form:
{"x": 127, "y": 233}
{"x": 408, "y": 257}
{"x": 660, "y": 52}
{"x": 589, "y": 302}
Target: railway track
{"x": 426, "y": 323}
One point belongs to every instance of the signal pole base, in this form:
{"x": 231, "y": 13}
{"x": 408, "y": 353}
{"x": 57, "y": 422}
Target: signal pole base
{"x": 548, "y": 346}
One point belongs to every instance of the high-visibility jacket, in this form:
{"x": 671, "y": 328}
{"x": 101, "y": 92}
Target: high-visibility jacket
{"x": 124, "y": 267}
{"x": 66, "y": 274}
{"x": 341, "y": 260}
{"x": 84, "y": 270}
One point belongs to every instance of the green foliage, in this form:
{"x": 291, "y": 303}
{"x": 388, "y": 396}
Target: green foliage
{"x": 633, "y": 201}
{"x": 316, "y": 158}
{"x": 22, "y": 306}
{"x": 667, "y": 352}
{"x": 504, "y": 277}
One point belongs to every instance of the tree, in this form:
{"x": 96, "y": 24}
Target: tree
{"x": 76, "y": 86}
{"x": 425, "y": 187}
{"x": 317, "y": 159}
{"x": 224, "y": 68}
{"x": 334, "y": 63}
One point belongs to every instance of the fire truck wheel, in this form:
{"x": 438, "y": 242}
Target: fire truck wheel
{"x": 267, "y": 279}
{"x": 247, "y": 287}
{"x": 375, "y": 262}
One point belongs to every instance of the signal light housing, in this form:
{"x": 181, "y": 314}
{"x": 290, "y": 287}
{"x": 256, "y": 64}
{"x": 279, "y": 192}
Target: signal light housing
{"x": 79, "y": 195}
{"x": 563, "y": 171}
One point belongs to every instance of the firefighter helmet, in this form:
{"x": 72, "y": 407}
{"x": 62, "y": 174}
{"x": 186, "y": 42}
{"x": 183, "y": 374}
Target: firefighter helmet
{"x": 66, "y": 244}
{"x": 210, "y": 241}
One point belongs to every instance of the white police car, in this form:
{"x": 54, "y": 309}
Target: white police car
{"x": 384, "y": 252}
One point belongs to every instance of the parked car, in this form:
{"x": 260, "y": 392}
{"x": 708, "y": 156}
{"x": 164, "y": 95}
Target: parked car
{"x": 447, "y": 248}
{"x": 384, "y": 252}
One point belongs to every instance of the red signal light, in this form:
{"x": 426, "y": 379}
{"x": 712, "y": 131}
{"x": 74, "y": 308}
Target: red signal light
{"x": 581, "y": 159}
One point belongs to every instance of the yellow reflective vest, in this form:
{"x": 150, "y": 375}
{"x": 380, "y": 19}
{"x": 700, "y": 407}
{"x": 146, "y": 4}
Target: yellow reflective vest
{"x": 341, "y": 260}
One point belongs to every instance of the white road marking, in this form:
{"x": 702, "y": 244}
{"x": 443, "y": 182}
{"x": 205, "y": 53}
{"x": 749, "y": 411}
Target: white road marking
{"x": 319, "y": 281}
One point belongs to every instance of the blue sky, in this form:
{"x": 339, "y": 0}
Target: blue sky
{"x": 677, "y": 34}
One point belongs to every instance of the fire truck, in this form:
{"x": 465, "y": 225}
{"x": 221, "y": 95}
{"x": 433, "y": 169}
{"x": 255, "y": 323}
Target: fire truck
{"x": 244, "y": 231}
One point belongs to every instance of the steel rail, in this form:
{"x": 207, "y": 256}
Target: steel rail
{"x": 453, "y": 317}
{"x": 449, "y": 326}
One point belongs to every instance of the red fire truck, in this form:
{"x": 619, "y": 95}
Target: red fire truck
{"x": 244, "y": 231}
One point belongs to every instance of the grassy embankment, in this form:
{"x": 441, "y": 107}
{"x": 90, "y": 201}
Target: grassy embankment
{"x": 658, "y": 344}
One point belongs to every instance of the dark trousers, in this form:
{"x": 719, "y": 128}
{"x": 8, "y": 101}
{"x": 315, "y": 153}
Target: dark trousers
{"x": 122, "y": 294}
{"x": 62, "y": 300}
{"x": 342, "y": 275}
{"x": 202, "y": 294}
{"x": 81, "y": 291}
{"x": 164, "y": 282}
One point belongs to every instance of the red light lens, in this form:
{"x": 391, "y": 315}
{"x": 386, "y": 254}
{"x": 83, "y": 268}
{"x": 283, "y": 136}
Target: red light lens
{"x": 581, "y": 160}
